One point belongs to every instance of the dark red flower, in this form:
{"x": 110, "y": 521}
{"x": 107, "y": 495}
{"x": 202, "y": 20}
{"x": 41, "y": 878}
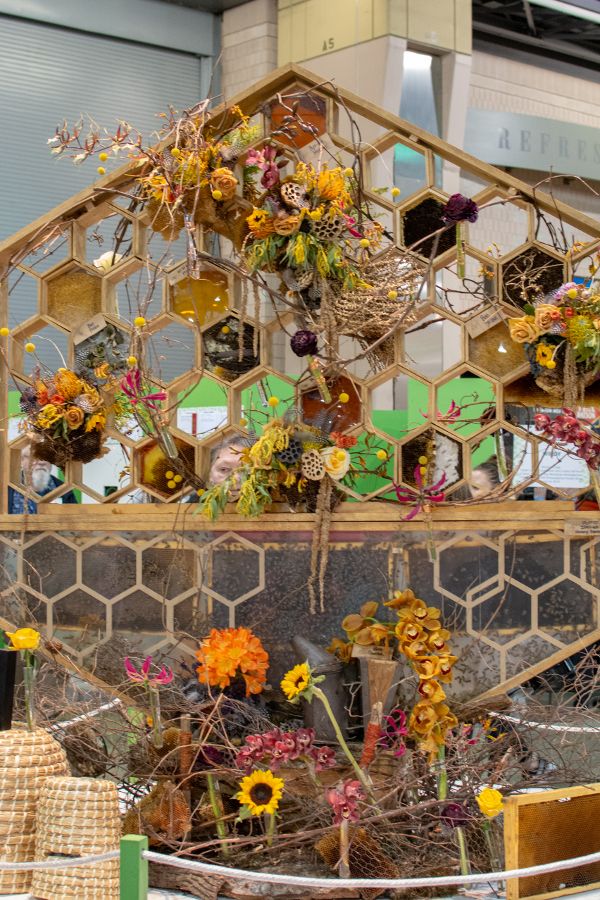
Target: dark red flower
{"x": 304, "y": 343}
{"x": 459, "y": 209}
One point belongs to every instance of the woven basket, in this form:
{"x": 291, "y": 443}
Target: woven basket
{"x": 27, "y": 760}
{"x": 77, "y": 817}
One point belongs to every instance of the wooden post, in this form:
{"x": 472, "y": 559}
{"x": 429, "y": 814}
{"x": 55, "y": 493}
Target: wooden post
{"x": 134, "y": 869}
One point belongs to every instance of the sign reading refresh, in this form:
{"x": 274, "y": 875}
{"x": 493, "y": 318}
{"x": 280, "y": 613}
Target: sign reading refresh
{"x": 531, "y": 142}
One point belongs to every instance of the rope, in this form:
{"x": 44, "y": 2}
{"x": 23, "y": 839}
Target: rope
{"x": 69, "y": 862}
{"x": 575, "y": 729}
{"x": 385, "y": 883}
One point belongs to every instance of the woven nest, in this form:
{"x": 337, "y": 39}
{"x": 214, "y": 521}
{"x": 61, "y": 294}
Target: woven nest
{"x": 367, "y": 314}
{"x": 80, "y": 446}
{"x": 77, "y": 817}
{"x": 27, "y": 760}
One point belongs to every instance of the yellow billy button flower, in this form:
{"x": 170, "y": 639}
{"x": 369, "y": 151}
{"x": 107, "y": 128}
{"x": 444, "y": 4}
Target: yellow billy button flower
{"x": 225, "y": 329}
{"x": 177, "y": 479}
{"x": 139, "y": 321}
{"x": 243, "y": 422}
{"x": 392, "y": 295}
{"x": 171, "y": 484}
{"x": 30, "y": 347}
{"x": 423, "y": 460}
{"x": 364, "y": 243}
{"x": 344, "y": 397}
{"x": 490, "y": 802}
{"x": 348, "y": 172}
{"x": 103, "y": 156}
{"x": 101, "y": 170}
{"x": 169, "y": 475}
{"x": 132, "y": 360}
{"x": 217, "y": 195}
{"x": 382, "y": 455}
{"x": 4, "y": 332}
{"x": 24, "y": 639}
{"x": 260, "y": 792}
{"x": 200, "y": 492}
{"x": 273, "y": 401}
{"x": 395, "y": 192}
{"x": 572, "y": 293}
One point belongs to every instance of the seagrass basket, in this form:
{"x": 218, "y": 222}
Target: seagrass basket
{"x": 77, "y": 817}
{"x": 27, "y": 760}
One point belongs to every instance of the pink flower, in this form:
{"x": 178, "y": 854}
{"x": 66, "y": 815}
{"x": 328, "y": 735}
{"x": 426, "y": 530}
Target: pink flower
{"x": 324, "y": 758}
{"x": 393, "y": 731}
{"x": 132, "y": 386}
{"x": 162, "y": 677}
{"x": 344, "y": 801}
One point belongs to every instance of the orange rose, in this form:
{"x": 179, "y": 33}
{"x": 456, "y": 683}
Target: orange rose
{"x": 225, "y": 181}
{"x": 74, "y": 417}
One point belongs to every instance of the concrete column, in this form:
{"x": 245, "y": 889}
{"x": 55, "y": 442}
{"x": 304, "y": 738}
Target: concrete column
{"x": 249, "y": 42}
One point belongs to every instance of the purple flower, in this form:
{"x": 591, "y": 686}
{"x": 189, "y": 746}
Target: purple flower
{"x": 459, "y": 209}
{"x": 454, "y": 815}
{"x": 304, "y": 343}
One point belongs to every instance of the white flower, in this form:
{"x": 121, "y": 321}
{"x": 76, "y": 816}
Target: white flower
{"x": 108, "y": 260}
{"x": 57, "y": 150}
{"x": 336, "y": 462}
{"x": 53, "y": 140}
{"x": 79, "y": 158}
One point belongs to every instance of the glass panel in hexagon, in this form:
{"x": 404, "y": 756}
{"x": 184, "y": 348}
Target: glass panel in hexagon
{"x": 140, "y": 619}
{"x": 23, "y": 299}
{"x": 200, "y": 300}
{"x": 168, "y": 570}
{"x": 50, "y": 253}
{"x": 110, "y": 564}
{"x": 234, "y": 569}
{"x": 230, "y": 349}
{"x": 532, "y": 558}
{"x": 531, "y": 275}
{"x": 79, "y": 620}
{"x": 298, "y": 126}
{"x": 504, "y": 615}
{"x": 165, "y": 476}
{"x": 465, "y": 403}
{"x": 109, "y": 344}
{"x": 495, "y": 353}
{"x": 252, "y": 402}
{"x": 108, "y": 241}
{"x": 202, "y": 408}
{"x": 373, "y": 467}
{"x": 140, "y": 294}
{"x": 398, "y": 405}
{"x": 170, "y": 352}
{"x": 49, "y": 566}
{"x": 50, "y": 349}
{"x": 566, "y": 611}
{"x": 73, "y": 297}
{"x": 468, "y": 291}
{"x": 500, "y": 228}
{"x": 432, "y": 345}
{"x": 496, "y": 466}
{"x": 196, "y": 615}
{"x": 419, "y": 223}
{"x": 109, "y": 473}
{"x": 443, "y": 454}
{"x": 342, "y": 413}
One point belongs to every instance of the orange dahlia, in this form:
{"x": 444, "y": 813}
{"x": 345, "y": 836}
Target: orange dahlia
{"x": 229, "y": 652}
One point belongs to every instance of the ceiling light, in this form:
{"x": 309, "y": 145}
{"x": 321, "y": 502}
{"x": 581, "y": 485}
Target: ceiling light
{"x": 502, "y": 348}
{"x": 568, "y": 9}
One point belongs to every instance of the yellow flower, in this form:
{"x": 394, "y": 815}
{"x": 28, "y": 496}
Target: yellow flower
{"x": 4, "y": 332}
{"x": 257, "y": 219}
{"x": 336, "y": 462}
{"x": 30, "y": 347}
{"x": 523, "y": 330}
{"x": 544, "y": 356}
{"x": 139, "y": 321}
{"x": 344, "y": 397}
{"x": 490, "y": 802}
{"x": 48, "y": 415}
{"x": 260, "y": 792}
{"x": 74, "y": 417}
{"x": 331, "y": 185}
{"x": 67, "y": 384}
{"x": 97, "y": 421}
{"x": 24, "y": 639}
{"x": 296, "y": 681}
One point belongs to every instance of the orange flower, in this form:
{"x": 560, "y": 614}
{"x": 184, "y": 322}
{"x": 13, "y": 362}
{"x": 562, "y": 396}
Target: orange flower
{"x": 415, "y": 650}
{"x": 407, "y": 631}
{"x": 428, "y": 617}
{"x": 445, "y": 669}
{"x": 432, "y": 690}
{"x": 423, "y": 718}
{"x": 428, "y": 667}
{"x": 341, "y": 649}
{"x": 401, "y": 599}
{"x": 436, "y": 640}
{"x": 229, "y": 652}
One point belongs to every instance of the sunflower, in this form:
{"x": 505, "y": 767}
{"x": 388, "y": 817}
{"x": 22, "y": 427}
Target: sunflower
{"x": 260, "y": 792}
{"x": 296, "y": 681}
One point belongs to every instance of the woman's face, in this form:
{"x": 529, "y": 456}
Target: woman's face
{"x": 480, "y": 484}
{"x": 226, "y": 460}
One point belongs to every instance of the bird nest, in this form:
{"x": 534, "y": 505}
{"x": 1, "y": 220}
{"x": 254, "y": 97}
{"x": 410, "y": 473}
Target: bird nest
{"x": 389, "y": 303}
